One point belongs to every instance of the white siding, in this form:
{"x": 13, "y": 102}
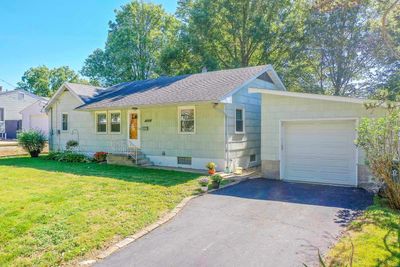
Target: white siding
{"x": 13, "y": 106}
{"x": 34, "y": 117}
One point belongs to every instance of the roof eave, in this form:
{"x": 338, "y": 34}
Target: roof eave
{"x": 83, "y": 108}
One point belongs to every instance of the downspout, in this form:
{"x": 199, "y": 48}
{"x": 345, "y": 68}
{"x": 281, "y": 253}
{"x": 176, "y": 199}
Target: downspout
{"x": 227, "y": 160}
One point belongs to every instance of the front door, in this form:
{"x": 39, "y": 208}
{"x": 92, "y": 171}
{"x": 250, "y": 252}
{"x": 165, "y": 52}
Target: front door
{"x": 133, "y": 128}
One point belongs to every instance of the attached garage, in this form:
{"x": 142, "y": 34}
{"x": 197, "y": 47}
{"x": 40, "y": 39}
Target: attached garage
{"x": 310, "y": 138}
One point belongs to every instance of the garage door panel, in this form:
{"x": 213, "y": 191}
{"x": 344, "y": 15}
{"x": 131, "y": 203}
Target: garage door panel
{"x": 320, "y": 151}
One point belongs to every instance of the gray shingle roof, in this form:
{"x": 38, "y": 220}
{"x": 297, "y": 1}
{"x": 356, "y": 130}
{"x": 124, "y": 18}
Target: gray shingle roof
{"x": 208, "y": 86}
{"x": 85, "y": 92}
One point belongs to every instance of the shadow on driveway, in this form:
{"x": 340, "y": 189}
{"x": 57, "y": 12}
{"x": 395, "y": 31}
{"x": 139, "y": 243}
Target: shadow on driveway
{"x": 301, "y": 193}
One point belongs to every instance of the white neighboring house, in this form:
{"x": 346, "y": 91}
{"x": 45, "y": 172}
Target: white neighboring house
{"x": 34, "y": 117}
{"x": 11, "y": 104}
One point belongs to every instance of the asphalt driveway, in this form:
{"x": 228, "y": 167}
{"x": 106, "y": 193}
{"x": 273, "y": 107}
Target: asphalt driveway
{"x": 255, "y": 223}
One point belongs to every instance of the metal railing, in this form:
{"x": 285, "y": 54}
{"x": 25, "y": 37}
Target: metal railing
{"x": 125, "y": 147}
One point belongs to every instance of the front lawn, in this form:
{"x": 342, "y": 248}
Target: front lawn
{"x": 375, "y": 236}
{"x": 53, "y": 213}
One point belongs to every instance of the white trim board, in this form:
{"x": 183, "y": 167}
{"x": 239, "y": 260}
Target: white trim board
{"x": 310, "y": 96}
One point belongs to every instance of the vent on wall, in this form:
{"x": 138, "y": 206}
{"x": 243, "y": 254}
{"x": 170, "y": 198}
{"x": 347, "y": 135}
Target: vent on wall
{"x": 253, "y": 158}
{"x": 184, "y": 160}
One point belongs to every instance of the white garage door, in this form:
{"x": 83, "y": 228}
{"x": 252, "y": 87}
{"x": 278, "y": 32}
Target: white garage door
{"x": 319, "y": 152}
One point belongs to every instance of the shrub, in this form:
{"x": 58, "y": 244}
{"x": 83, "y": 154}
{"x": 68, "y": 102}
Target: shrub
{"x": 203, "y": 181}
{"x": 67, "y": 156}
{"x": 32, "y": 141}
{"x": 379, "y": 137}
{"x": 211, "y": 166}
{"x": 71, "y": 144}
{"x": 100, "y": 156}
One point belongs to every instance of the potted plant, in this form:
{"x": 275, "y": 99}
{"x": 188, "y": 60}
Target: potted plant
{"x": 211, "y": 168}
{"x": 203, "y": 182}
{"x": 32, "y": 141}
{"x": 216, "y": 180}
{"x": 71, "y": 145}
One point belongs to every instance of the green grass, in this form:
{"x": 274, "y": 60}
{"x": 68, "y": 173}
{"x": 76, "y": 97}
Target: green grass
{"x": 375, "y": 236}
{"x": 53, "y": 213}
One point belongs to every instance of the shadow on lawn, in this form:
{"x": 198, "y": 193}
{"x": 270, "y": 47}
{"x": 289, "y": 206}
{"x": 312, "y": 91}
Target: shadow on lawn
{"x": 129, "y": 174}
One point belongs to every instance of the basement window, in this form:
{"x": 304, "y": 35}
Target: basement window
{"x": 253, "y": 158}
{"x": 184, "y": 160}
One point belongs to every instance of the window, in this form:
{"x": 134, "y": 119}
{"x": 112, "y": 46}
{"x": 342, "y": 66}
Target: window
{"x": 253, "y": 158}
{"x": 101, "y": 122}
{"x": 64, "y": 122}
{"x": 1, "y": 114}
{"x": 184, "y": 160}
{"x": 115, "y": 121}
{"x": 239, "y": 125}
{"x": 186, "y": 119}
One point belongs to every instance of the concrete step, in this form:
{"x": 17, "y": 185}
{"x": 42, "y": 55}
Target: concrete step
{"x": 117, "y": 159}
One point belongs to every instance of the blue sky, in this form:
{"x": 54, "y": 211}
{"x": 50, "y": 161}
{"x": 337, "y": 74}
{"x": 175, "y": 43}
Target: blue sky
{"x": 53, "y": 33}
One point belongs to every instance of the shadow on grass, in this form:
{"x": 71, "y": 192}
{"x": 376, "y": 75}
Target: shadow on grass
{"x": 129, "y": 174}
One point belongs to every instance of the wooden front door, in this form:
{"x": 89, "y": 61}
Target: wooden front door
{"x": 133, "y": 123}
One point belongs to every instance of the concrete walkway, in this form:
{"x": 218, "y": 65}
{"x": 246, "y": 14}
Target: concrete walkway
{"x": 255, "y": 223}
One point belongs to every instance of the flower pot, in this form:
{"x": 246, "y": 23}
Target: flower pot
{"x": 211, "y": 171}
{"x": 204, "y": 188}
{"x": 35, "y": 153}
{"x": 215, "y": 185}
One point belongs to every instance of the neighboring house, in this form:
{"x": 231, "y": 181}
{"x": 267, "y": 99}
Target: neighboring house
{"x": 310, "y": 138}
{"x": 11, "y": 104}
{"x": 34, "y": 117}
{"x": 184, "y": 121}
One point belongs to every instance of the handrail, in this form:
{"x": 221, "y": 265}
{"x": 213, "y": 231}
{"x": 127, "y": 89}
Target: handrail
{"x": 125, "y": 147}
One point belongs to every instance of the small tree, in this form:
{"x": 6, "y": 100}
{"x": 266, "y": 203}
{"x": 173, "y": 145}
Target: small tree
{"x": 379, "y": 137}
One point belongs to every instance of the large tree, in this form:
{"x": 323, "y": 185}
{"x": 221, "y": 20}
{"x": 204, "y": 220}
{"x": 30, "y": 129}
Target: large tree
{"x": 342, "y": 45}
{"x": 134, "y": 45}
{"x": 43, "y": 81}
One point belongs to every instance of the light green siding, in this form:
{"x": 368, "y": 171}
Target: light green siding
{"x": 159, "y": 137}
{"x": 280, "y": 108}
{"x": 242, "y": 145}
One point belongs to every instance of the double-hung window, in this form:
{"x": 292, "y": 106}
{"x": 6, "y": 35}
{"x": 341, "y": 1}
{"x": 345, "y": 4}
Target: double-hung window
{"x": 186, "y": 120}
{"x": 64, "y": 122}
{"x": 239, "y": 120}
{"x": 101, "y": 122}
{"x": 115, "y": 121}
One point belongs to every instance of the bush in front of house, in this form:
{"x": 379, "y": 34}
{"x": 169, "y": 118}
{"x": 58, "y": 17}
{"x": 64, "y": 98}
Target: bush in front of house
{"x": 67, "y": 156}
{"x": 32, "y": 141}
{"x": 379, "y": 137}
{"x": 100, "y": 156}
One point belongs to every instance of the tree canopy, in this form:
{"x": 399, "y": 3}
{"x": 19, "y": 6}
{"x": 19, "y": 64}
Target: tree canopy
{"x": 43, "y": 81}
{"x": 329, "y": 47}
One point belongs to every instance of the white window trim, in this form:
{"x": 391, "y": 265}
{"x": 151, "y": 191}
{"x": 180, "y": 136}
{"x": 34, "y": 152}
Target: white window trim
{"x": 62, "y": 115}
{"x": 109, "y": 121}
{"x": 179, "y": 119}
{"x": 95, "y": 122}
{"x": 244, "y": 121}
